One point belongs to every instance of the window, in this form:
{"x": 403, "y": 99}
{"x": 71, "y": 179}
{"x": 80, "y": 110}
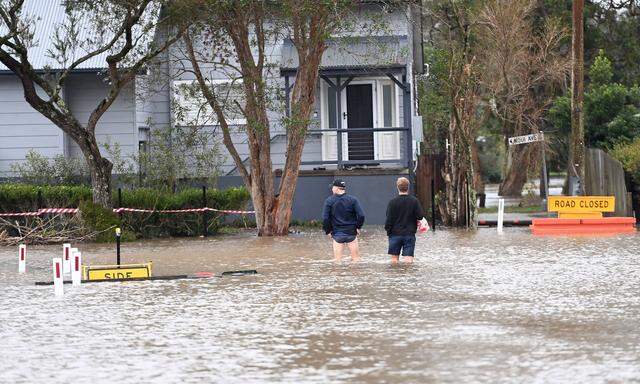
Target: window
{"x": 191, "y": 108}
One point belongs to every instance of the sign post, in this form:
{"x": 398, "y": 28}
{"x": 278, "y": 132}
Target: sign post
{"x": 532, "y": 138}
{"x": 57, "y": 277}
{"x": 76, "y": 270}
{"x": 118, "y": 234}
{"x": 22, "y": 258}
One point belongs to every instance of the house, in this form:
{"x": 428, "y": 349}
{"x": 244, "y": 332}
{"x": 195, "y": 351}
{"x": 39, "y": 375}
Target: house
{"x": 365, "y": 128}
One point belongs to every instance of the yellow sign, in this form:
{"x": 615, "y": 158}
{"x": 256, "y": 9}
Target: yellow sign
{"x": 122, "y": 272}
{"x": 581, "y": 207}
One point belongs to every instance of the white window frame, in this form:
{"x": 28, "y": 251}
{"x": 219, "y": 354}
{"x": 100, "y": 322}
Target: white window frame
{"x": 378, "y": 110}
{"x": 213, "y": 120}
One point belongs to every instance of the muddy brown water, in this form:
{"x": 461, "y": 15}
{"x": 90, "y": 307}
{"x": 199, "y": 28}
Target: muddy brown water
{"x": 475, "y": 307}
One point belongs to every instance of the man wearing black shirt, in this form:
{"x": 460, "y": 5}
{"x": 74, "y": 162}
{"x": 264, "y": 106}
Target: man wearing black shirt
{"x": 403, "y": 214}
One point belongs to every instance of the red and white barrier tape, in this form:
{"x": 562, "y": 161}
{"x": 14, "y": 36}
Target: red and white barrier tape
{"x": 41, "y": 212}
{"x": 120, "y": 210}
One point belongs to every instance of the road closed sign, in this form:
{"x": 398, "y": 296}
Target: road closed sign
{"x": 581, "y": 204}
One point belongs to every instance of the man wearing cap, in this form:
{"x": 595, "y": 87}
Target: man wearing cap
{"x": 342, "y": 218}
{"x": 403, "y": 213}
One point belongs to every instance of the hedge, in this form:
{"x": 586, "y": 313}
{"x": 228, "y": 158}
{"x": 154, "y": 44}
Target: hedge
{"x": 24, "y": 198}
{"x": 629, "y": 155}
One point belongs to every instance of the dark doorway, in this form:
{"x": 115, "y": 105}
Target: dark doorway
{"x": 360, "y": 115}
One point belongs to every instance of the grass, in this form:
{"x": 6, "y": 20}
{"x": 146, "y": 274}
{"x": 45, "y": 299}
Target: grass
{"x": 514, "y": 209}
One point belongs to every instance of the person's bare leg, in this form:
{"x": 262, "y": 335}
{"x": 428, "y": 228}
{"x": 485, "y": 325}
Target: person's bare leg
{"x": 354, "y": 249}
{"x": 337, "y": 251}
{"x": 407, "y": 259}
{"x": 395, "y": 259}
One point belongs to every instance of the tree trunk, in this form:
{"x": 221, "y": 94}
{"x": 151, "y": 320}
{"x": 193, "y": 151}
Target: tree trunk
{"x": 100, "y": 170}
{"x": 577, "y": 152}
{"x": 516, "y": 171}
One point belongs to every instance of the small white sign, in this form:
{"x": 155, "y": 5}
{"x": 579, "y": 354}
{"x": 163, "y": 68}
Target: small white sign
{"x": 526, "y": 139}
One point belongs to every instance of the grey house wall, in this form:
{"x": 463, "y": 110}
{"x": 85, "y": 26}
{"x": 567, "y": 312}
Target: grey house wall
{"x": 117, "y": 125}
{"x": 22, "y": 128}
{"x": 373, "y": 192}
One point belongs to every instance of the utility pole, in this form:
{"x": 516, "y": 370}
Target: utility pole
{"x": 577, "y": 153}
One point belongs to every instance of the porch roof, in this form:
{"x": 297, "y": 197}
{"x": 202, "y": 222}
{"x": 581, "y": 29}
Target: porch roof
{"x": 354, "y": 55}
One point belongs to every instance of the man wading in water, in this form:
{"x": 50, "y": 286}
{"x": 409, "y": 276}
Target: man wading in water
{"x": 342, "y": 218}
{"x": 403, "y": 213}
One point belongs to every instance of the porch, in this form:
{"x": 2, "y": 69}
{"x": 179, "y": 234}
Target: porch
{"x": 363, "y": 105}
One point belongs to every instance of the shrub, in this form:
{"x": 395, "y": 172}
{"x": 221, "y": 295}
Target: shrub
{"x": 629, "y": 156}
{"x": 102, "y": 220}
{"x": 24, "y": 198}
{"x": 59, "y": 170}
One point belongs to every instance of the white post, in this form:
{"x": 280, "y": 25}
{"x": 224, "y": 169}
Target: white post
{"x": 22, "y": 258}
{"x": 76, "y": 269}
{"x": 500, "y": 215}
{"x": 57, "y": 277}
{"x": 66, "y": 258}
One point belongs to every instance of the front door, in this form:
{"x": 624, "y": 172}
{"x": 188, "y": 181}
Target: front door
{"x": 360, "y": 115}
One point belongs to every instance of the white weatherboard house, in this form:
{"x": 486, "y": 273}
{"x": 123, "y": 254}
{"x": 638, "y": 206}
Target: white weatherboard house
{"x": 365, "y": 130}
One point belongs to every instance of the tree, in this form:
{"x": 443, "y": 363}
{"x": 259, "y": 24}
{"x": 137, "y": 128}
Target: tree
{"x": 522, "y": 66}
{"x": 235, "y": 36}
{"x": 612, "y": 110}
{"x": 120, "y": 33}
{"x": 453, "y": 37}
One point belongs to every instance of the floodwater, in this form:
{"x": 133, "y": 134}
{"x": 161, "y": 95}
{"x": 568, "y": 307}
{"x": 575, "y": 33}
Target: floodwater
{"x": 475, "y": 307}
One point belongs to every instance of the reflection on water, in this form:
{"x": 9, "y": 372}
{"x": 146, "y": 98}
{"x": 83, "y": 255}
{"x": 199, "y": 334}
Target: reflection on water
{"x": 475, "y": 307}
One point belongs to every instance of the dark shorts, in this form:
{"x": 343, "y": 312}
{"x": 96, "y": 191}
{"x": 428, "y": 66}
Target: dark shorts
{"x": 343, "y": 237}
{"x": 405, "y": 243}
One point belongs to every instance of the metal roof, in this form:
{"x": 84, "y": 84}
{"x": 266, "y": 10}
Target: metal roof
{"x": 49, "y": 15}
{"x": 357, "y": 52}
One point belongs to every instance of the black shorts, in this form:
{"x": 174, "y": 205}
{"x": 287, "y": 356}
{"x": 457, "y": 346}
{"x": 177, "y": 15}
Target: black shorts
{"x": 405, "y": 243}
{"x": 343, "y": 237}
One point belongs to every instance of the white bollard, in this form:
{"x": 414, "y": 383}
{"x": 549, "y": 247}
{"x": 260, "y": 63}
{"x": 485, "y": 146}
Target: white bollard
{"x": 500, "y": 215}
{"x": 57, "y": 277}
{"x": 76, "y": 268}
{"x": 66, "y": 258}
{"x": 22, "y": 258}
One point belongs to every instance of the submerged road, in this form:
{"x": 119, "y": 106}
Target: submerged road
{"x": 475, "y": 307}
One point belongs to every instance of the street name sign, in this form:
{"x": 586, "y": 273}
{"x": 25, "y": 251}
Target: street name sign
{"x": 516, "y": 140}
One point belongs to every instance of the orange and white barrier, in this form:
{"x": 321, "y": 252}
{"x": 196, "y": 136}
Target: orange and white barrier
{"x": 58, "y": 282}
{"x": 22, "y": 258}
{"x": 76, "y": 268}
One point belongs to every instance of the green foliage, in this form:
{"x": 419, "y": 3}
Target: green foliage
{"x": 151, "y": 225}
{"x": 612, "y": 110}
{"x": 629, "y": 155}
{"x": 601, "y": 71}
{"x": 39, "y": 170}
{"x": 176, "y": 153}
{"x": 24, "y": 198}
{"x": 101, "y": 220}
{"x": 435, "y": 103}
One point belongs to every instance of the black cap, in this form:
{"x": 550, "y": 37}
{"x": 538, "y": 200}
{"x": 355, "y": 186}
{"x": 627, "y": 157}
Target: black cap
{"x": 339, "y": 183}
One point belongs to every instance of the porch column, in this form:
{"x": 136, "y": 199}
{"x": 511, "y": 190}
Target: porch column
{"x": 406, "y": 105}
{"x": 338, "y": 91}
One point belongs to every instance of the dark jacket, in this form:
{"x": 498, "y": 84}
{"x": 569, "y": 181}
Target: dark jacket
{"x": 342, "y": 214}
{"x": 403, "y": 212}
